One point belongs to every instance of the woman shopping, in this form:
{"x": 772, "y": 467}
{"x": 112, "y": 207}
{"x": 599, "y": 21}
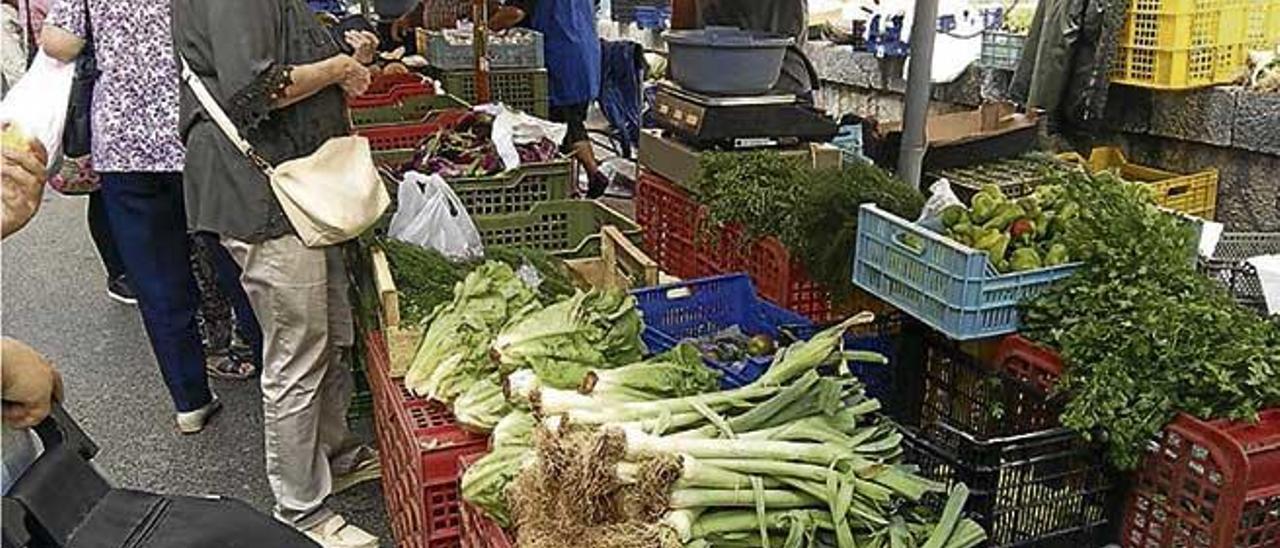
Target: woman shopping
{"x": 136, "y": 150}
{"x": 281, "y": 79}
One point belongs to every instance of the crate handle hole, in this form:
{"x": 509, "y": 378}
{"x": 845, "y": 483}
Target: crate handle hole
{"x": 679, "y": 293}
{"x": 911, "y": 242}
{"x": 1178, "y": 190}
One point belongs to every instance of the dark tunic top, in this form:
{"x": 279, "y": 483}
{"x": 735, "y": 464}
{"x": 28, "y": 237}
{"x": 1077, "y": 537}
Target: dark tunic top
{"x": 244, "y": 50}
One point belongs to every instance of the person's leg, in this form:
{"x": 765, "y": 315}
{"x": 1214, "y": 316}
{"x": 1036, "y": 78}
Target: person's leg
{"x": 100, "y": 231}
{"x": 228, "y": 277}
{"x": 148, "y": 221}
{"x": 214, "y": 313}
{"x": 578, "y": 143}
{"x": 287, "y": 285}
{"x": 341, "y": 446}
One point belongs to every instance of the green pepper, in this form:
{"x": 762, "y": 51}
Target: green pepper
{"x": 986, "y": 239}
{"x": 1042, "y": 224}
{"x": 1029, "y": 204}
{"x": 1005, "y": 215}
{"x": 1057, "y": 255}
{"x": 984, "y": 207}
{"x": 1024, "y": 259}
{"x": 998, "y": 250}
{"x": 952, "y": 215}
{"x": 994, "y": 191}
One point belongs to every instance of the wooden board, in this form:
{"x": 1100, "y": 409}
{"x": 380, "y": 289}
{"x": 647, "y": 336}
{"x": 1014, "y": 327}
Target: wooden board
{"x": 388, "y": 297}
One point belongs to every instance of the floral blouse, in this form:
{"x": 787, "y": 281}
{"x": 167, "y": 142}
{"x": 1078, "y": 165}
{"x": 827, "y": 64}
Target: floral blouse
{"x": 245, "y": 51}
{"x": 135, "y": 99}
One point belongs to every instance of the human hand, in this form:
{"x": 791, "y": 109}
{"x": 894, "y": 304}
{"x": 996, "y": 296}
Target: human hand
{"x": 404, "y": 24}
{"x": 364, "y": 44}
{"x": 22, "y": 177}
{"x": 30, "y": 385}
{"x": 354, "y": 78}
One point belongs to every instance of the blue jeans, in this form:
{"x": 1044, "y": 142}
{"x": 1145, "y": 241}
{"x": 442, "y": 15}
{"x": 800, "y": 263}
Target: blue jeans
{"x": 149, "y": 224}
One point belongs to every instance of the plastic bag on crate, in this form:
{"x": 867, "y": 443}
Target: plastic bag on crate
{"x": 430, "y": 214}
{"x": 940, "y": 197}
{"x": 1268, "y": 268}
{"x": 512, "y": 127}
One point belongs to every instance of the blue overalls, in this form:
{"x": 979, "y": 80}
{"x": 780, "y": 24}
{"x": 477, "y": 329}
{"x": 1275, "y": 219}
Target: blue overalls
{"x": 572, "y": 49}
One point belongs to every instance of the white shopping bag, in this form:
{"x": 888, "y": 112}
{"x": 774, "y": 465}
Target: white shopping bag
{"x": 38, "y": 104}
{"x": 429, "y": 214}
{"x": 940, "y": 197}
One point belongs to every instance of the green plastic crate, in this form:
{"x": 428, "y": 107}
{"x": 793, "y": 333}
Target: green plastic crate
{"x": 524, "y": 89}
{"x": 567, "y": 228}
{"x": 412, "y": 108}
{"x": 515, "y": 191}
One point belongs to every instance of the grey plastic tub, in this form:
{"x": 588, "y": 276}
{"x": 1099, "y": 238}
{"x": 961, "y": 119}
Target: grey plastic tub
{"x": 726, "y": 60}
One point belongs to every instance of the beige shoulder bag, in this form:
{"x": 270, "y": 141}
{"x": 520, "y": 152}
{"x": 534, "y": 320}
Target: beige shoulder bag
{"x": 330, "y": 197}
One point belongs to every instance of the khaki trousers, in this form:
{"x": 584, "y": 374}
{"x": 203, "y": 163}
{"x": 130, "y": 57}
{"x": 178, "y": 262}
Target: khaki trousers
{"x": 299, "y": 295}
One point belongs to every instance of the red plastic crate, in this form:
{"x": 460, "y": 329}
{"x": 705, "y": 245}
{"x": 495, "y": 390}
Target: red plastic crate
{"x": 384, "y": 83}
{"x": 1210, "y": 484}
{"x": 391, "y": 96}
{"x": 399, "y": 137}
{"x": 1036, "y": 365}
{"x": 672, "y": 236}
{"x": 419, "y": 442}
{"x": 478, "y": 530}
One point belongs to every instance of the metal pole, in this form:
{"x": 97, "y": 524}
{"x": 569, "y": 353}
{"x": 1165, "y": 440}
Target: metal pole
{"x": 915, "y": 111}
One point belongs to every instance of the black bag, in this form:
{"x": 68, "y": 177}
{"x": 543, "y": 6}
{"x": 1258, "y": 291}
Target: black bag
{"x": 77, "y": 136}
{"x": 62, "y": 502}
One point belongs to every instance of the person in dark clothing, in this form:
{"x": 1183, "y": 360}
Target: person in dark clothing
{"x": 780, "y": 17}
{"x": 118, "y": 288}
{"x": 572, "y": 51}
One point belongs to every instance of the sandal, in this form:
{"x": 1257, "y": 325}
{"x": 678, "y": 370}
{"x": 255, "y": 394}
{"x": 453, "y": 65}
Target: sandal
{"x": 229, "y": 368}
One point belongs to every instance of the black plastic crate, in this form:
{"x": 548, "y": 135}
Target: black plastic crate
{"x": 1033, "y": 482}
{"x": 959, "y": 391}
{"x": 1042, "y": 489}
{"x": 1229, "y": 268}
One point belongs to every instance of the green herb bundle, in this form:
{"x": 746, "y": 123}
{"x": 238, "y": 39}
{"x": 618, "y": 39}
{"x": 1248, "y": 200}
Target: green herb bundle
{"x": 1143, "y": 334}
{"x": 813, "y": 212}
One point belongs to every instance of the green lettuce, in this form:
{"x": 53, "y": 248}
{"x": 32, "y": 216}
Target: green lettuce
{"x": 563, "y": 342}
{"x": 676, "y": 373}
{"x": 481, "y": 407}
{"x": 454, "y": 352}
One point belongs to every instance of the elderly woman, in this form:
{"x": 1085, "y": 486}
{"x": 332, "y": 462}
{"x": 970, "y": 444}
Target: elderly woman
{"x": 281, "y": 78}
{"x": 137, "y": 151}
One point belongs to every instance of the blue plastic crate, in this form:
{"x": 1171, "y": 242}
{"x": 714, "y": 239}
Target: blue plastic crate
{"x": 695, "y": 308}
{"x": 944, "y": 284}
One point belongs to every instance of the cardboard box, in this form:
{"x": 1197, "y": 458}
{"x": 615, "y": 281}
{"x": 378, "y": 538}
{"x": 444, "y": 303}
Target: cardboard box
{"x": 992, "y": 132}
{"x": 678, "y": 162}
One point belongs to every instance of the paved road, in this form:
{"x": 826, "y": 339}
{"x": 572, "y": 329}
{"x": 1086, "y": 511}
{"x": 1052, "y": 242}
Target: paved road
{"x": 54, "y": 298}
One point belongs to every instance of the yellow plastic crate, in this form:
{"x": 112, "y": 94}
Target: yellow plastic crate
{"x": 1195, "y": 194}
{"x": 1182, "y": 44}
{"x": 1263, "y": 25}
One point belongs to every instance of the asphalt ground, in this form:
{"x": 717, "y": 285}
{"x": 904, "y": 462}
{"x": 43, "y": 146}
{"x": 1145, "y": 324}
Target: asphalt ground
{"x": 53, "y": 297}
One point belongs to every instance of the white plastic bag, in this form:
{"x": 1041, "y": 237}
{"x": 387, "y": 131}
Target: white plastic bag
{"x": 940, "y": 197}
{"x": 38, "y": 104}
{"x": 511, "y": 128}
{"x": 1268, "y": 268}
{"x": 429, "y": 214}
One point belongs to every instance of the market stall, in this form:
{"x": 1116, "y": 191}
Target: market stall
{"x": 777, "y": 342}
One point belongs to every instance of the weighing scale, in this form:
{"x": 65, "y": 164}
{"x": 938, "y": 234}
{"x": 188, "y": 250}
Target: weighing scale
{"x": 739, "y": 122}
